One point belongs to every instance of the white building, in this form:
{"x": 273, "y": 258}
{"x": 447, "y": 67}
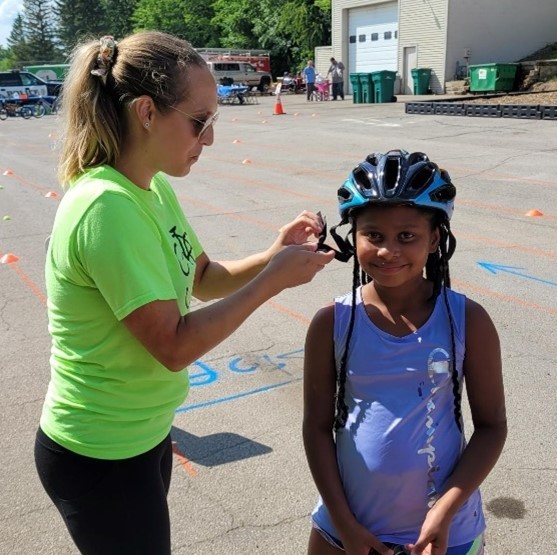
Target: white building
{"x": 444, "y": 35}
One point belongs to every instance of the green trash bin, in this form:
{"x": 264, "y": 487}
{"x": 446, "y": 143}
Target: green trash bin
{"x": 384, "y": 84}
{"x": 366, "y": 84}
{"x": 420, "y": 77}
{"x": 356, "y": 88}
{"x": 492, "y": 77}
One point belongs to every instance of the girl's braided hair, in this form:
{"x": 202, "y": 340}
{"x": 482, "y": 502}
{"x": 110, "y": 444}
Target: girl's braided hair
{"x": 399, "y": 178}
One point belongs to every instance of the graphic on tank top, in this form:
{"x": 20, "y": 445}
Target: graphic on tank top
{"x": 438, "y": 372}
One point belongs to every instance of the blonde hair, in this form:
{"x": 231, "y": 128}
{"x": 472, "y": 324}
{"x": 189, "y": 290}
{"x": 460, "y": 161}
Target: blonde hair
{"x": 94, "y": 108}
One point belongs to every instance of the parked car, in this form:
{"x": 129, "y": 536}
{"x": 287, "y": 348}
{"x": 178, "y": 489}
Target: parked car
{"x": 241, "y": 72}
{"x": 19, "y": 84}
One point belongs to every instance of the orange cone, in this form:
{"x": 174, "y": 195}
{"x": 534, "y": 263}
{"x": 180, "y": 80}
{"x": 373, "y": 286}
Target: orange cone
{"x": 534, "y": 213}
{"x": 278, "y": 107}
{"x": 9, "y": 258}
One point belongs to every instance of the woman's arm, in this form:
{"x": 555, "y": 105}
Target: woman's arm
{"x": 177, "y": 341}
{"x": 215, "y": 280}
{"x": 484, "y": 386}
{"x": 319, "y": 414}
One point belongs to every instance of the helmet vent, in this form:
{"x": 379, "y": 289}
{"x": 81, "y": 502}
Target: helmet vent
{"x": 343, "y": 194}
{"x": 422, "y": 178}
{"x": 362, "y": 178}
{"x": 445, "y": 193}
{"x": 372, "y": 159}
{"x": 391, "y": 173}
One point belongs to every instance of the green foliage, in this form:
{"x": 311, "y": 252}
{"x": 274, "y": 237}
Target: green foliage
{"x": 289, "y": 29}
{"x": 40, "y": 31}
{"x": 118, "y": 17}
{"x": 6, "y": 56}
{"x": 190, "y": 20}
{"x": 17, "y": 42}
{"x": 78, "y": 20}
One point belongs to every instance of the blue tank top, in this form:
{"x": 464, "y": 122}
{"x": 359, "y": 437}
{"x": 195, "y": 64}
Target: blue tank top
{"x": 400, "y": 442}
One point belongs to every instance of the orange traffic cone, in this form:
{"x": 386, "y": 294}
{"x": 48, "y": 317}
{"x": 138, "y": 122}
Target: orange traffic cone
{"x": 9, "y": 258}
{"x": 278, "y": 107}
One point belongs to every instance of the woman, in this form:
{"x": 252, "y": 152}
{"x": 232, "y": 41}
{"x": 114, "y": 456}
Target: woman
{"x": 122, "y": 265}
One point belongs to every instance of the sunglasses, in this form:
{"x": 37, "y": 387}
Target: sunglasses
{"x": 200, "y": 125}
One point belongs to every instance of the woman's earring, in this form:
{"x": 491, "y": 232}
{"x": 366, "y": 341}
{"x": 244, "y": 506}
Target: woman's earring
{"x": 146, "y": 125}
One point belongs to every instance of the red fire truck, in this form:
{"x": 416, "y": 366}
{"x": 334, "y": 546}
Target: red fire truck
{"x": 261, "y": 59}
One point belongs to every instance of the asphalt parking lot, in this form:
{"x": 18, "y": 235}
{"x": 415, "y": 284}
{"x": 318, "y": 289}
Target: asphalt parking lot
{"x": 241, "y": 483}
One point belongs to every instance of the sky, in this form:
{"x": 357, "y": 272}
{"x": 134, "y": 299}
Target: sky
{"x": 8, "y": 12}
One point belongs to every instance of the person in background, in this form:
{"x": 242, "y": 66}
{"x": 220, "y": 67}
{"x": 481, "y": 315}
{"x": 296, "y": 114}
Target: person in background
{"x": 309, "y": 79}
{"x": 122, "y": 266}
{"x": 336, "y": 71}
{"x": 384, "y": 368}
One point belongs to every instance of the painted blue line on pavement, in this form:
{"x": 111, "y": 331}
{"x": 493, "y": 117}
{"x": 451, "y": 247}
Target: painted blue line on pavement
{"x": 237, "y": 396}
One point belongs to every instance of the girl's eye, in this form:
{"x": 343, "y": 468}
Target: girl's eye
{"x": 374, "y": 236}
{"x": 406, "y": 236}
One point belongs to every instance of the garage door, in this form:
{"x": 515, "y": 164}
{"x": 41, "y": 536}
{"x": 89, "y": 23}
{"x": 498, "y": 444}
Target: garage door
{"x": 373, "y": 38}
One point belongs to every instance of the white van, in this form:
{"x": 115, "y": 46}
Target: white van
{"x": 240, "y": 72}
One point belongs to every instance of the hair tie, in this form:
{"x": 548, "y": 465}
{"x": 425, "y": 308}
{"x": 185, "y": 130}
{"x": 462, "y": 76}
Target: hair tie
{"x": 106, "y": 56}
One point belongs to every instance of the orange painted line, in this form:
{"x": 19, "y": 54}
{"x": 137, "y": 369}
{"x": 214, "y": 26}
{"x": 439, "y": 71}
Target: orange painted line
{"x": 27, "y": 280}
{"x": 475, "y": 172}
{"x": 183, "y": 461}
{"x": 29, "y": 283}
{"x": 266, "y": 185}
{"x": 28, "y": 183}
{"x": 478, "y": 239}
{"x": 498, "y": 208}
{"x": 279, "y": 168}
{"x": 331, "y": 155}
{"x": 502, "y": 297}
{"x": 336, "y": 177}
{"x": 289, "y": 312}
{"x": 218, "y": 210}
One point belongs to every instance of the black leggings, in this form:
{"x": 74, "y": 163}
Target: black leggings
{"x": 110, "y": 507}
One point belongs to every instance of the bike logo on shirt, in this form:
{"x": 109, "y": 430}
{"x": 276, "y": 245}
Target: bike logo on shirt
{"x": 183, "y": 250}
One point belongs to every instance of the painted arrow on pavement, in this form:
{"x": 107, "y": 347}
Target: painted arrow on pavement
{"x": 495, "y": 268}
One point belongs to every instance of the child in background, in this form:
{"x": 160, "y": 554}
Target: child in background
{"x": 389, "y": 457}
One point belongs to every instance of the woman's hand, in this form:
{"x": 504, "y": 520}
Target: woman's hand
{"x": 299, "y": 231}
{"x": 295, "y": 265}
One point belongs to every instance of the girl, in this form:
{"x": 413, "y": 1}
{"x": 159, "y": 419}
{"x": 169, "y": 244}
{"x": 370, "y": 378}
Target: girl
{"x": 397, "y": 475}
{"x": 122, "y": 265}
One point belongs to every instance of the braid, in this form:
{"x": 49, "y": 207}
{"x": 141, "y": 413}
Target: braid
{"x": 341, "y": 408}
{"x": 454, "y": 373}
{"x": 437, "y": 270}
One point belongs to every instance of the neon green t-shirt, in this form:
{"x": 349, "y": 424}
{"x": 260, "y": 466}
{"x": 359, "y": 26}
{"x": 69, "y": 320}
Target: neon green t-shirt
{"x": 114, "y": 247}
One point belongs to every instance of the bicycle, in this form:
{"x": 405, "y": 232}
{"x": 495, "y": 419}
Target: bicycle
{"x": 44, "y": 105}
{"x": 321, "y": 92}
{"x": 13, "y": 109}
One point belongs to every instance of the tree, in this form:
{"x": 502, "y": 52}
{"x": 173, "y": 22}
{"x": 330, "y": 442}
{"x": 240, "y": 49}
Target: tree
{"x": 17, "y": 42}
{"x": 235, "y": 20}
{"x": 6, "y": 56}
{"x": 290, "y": 29}
{"x": 77, "y": 20}
{"x": 39, "y": 31}
{"x": 190, "y": 20}
{"x": 119, "y": 14}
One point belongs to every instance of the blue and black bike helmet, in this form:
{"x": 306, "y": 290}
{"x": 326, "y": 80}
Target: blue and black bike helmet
{"x": 397, "y": 177}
